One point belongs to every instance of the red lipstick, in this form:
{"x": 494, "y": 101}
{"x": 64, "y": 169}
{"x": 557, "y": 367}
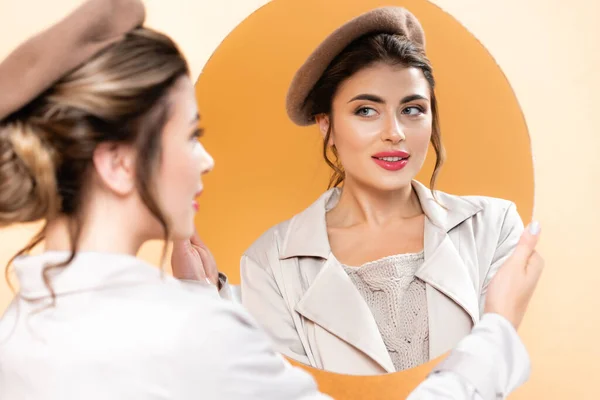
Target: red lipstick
{"x": 195, "y": 203}
{"x": 391, "y": 160}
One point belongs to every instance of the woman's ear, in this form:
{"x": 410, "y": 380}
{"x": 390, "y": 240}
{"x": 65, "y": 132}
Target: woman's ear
{"x": 323, "y": 122}
{"x": 115, "y": 166}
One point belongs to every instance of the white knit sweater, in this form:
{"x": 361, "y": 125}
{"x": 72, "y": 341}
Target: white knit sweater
{"x": 398, "y": 302}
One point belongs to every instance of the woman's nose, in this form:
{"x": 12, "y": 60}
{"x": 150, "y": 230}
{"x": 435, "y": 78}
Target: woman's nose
{"x": 393, "y": 131}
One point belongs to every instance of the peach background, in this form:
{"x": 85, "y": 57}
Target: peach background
{"x": 548, "y": 50}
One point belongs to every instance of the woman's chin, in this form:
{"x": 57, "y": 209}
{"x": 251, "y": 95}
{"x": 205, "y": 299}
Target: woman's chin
{"x": 183, "y": 232}
{"x": 389, "y": 184}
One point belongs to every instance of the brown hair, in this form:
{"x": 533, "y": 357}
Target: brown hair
{"x": 47, "y": 147}
{"x": 363, "y": 52}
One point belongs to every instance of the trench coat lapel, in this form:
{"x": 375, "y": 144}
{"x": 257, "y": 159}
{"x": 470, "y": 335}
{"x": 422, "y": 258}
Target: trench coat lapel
{"x": 452, "y": 298}
{"x": 332, "y": 301}
{"x": 444, "y": 268}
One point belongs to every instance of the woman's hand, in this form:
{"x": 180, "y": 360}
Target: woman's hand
{"x": 511, "y": 289}
{"x": 191, "y": 260}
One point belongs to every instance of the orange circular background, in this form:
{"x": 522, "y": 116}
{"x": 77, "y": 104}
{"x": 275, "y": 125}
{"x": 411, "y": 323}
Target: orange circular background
{"x": 268, "y": 169}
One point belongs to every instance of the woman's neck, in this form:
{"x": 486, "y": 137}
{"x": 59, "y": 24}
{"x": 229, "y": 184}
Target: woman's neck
{"x": 95, "y": 236}
{"x": 365, "y": 205}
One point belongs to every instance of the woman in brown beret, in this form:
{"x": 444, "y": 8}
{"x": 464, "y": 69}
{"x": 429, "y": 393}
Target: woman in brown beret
{"x": 381, "y": 273}
{"x": 98, "y": 138}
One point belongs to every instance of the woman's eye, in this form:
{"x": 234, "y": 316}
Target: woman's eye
{"x": 197, "y": 134}
{"x": 412, "y": 111}
{"x": 365, "y": 112}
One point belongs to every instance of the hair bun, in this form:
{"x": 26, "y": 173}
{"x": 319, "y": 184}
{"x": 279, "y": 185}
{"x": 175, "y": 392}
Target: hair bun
{"x": 28, "y": 190}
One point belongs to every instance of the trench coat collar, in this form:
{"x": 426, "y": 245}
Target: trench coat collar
{"x": 307, "y": 233}
{"x": 87, "y": 272}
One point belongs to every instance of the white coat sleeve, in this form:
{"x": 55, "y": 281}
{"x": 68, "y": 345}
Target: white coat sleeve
{"x": 223, "y": 354}
{"x": 488, "y": 364}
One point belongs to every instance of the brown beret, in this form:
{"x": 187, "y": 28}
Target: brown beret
{"x": 38, "y": 63}
{"x": 392, "y": 20}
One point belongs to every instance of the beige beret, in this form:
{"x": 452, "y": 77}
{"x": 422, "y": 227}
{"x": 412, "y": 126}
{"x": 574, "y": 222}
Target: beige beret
{"x": 34, "y": 66}
{"x": 392, "y": 20}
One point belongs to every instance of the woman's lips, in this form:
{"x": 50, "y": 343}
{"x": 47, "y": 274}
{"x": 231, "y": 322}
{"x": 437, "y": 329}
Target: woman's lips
{"x": 391, "y": 160}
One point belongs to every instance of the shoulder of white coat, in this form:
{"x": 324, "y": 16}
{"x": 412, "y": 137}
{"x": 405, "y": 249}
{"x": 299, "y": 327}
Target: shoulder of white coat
{"x": 493, "y": 211}
{"x": 203, "y": 324}
{"x": 225, "y": 344}
{"x": 172, "y": 295}
{"x": 276, "y": 239}
{"x": 199, "y": 309}
{"x": 488, "y": 203}
{"x": 161, "y": 309}
{"x": 268, "y": 244}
